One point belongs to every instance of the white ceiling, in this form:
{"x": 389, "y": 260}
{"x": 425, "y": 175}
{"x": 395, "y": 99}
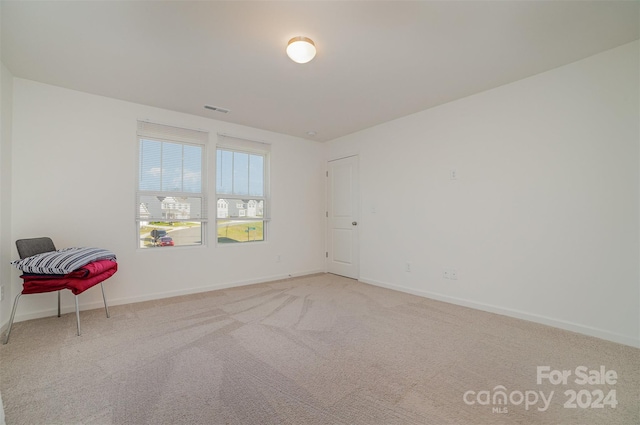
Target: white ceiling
{"x": 376, "y": 61}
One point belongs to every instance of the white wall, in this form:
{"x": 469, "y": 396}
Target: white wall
{"x": 6, "y": 106}
{"x": 542, "y": 222}
{"x": 74, "y": 179}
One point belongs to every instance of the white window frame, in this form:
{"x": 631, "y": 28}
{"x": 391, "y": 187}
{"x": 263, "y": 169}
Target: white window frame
{"x": 242, "y": 145}
{"x": 188, "y": 137}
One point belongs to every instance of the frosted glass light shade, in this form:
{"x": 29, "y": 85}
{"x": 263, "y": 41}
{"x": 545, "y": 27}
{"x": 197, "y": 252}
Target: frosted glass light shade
{"x": 301, "y": 49}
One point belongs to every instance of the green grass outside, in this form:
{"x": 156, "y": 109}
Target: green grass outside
{"x": 162, "y": 224}
{"x": 240, "y": 232}
{"x": 227, "y": 233}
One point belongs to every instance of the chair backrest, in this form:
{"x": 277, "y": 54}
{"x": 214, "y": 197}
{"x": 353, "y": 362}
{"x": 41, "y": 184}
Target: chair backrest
{"x": 33, "y": 246}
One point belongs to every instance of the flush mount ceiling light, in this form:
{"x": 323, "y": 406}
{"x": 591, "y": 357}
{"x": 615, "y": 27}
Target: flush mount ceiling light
{"x": 301, "y": 49}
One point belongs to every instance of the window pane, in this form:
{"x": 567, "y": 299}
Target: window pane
{"x": 150, "y": 169}
{"x": 240, "y": 208}
{"x": 230, "y": 231}
{"x": 172, "y": 167}
{"x": 224, "y": 170}
{"x": 256, "y": 175}
{"x": 192, "y": 169}
{"x": 167, "y": 234}
{"x": 240, "y": 173}
{"x": 169, "y": 208}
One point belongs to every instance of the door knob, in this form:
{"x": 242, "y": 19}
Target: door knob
{"x": 354, "y": 223}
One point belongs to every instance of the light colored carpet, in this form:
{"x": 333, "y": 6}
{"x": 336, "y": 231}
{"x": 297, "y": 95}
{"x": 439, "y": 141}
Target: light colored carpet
{"x": 315, "y": 350}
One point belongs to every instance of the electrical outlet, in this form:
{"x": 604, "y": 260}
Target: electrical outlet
{"x": 407, "y": 267}
{"x": 450, "y": 274}
{"x": 1, "y": 293}
{"x": 278, "y": 258}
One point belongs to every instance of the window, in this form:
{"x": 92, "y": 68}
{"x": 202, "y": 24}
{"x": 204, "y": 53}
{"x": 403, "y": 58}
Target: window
{"x": 171, "y": 197}
{"x": 241, "y": 190}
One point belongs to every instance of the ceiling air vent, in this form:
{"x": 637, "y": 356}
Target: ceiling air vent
{"x": 217, "y": 108}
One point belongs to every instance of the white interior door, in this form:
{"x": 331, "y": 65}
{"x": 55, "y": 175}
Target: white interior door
{"x": 342, "y": 254}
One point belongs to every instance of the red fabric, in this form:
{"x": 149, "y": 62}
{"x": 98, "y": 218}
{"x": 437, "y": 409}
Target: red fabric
{"x": 77, "y": 281}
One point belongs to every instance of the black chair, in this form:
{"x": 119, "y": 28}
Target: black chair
{"x": 34, "y": 246}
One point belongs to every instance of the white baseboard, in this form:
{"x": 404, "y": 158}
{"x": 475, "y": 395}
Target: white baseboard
{"x": 154, "y": 296}
{"x": 556, "y": 323}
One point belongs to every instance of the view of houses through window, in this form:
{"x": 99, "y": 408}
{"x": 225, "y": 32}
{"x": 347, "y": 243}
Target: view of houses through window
{"x": 167, "y": 221}
{"x": 235, "y": 230}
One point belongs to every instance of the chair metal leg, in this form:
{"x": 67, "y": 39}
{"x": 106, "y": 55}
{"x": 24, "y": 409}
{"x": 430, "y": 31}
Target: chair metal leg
{"x": 77, "y": 315}
{"x": 105, "y": 300}
{"x": 15, "y": 306}
{"x": 13, "y": 314}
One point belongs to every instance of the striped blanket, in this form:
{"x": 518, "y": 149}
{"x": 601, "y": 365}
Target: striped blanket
{"x": 63, "y": 261}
